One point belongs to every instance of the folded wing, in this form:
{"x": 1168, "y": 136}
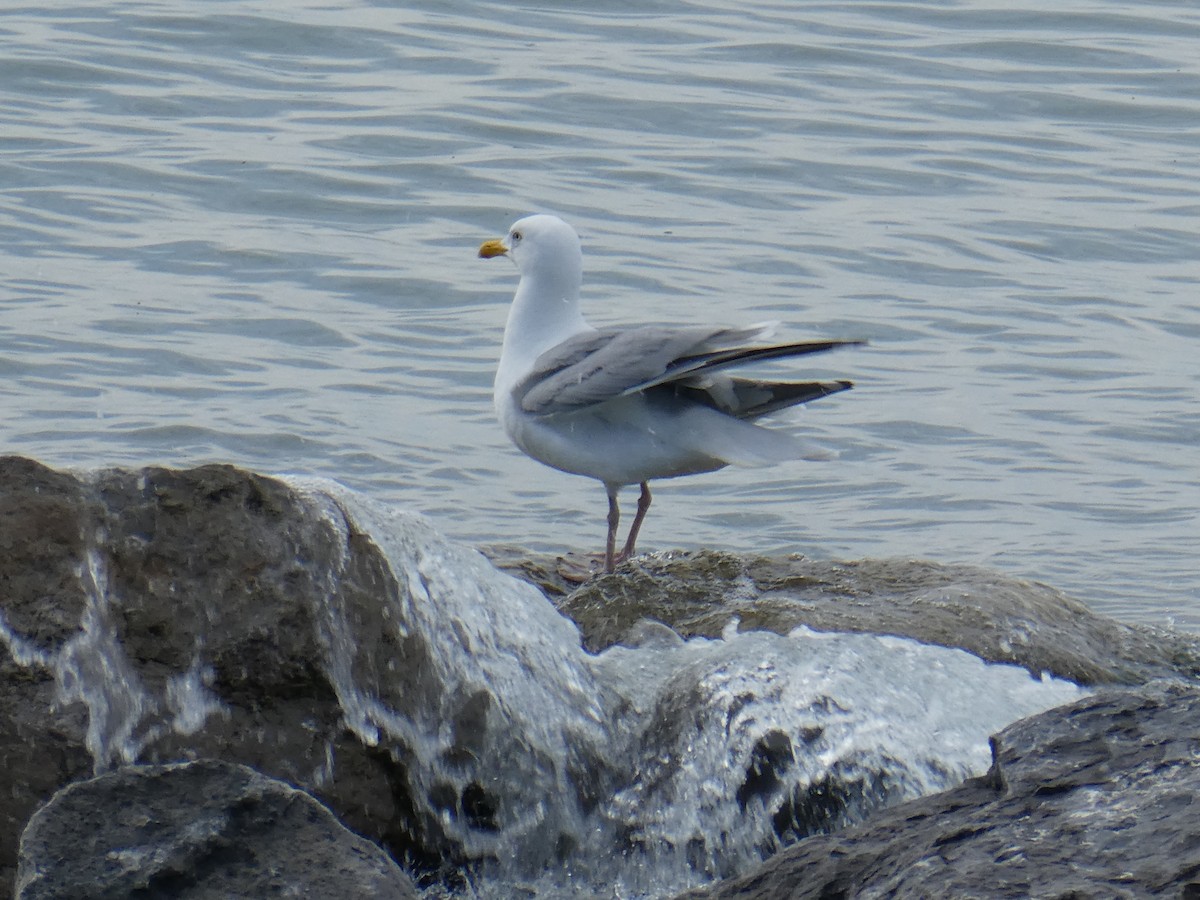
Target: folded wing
{"x": 598, "y": 366}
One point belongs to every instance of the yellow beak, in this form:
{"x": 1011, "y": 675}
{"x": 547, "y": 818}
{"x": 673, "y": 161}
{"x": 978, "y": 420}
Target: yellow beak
{"x": 488, "y": 249}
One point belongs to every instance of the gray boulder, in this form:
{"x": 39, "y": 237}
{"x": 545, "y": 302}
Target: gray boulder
{"x": 158, "y": 615}
{"x": 206, "y": 830}
{"x": 448, "y": 715}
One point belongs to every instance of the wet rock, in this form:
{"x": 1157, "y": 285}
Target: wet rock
{"x": 450, "y": 716}
{"x": 996, "y": 618}
{"x": 203, "y": 579}
{"x": 1097, "y": 799}
{"x": 206, "y": 830}
{"x": 158, "y": 616}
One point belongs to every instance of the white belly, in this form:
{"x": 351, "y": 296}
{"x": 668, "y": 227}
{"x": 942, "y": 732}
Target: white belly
{"x": 622, "y": 441}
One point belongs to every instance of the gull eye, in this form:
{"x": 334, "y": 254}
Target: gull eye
{"x": 516, "y": 236}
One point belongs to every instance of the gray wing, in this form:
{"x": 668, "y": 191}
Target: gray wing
{"x": 597, "y": 366}
{"x": 696, "y": 369}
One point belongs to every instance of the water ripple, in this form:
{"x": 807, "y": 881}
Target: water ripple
{"x": 247, "y": 234}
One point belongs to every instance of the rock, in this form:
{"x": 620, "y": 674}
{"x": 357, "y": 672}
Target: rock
{"x": 158, "y": 616}
{"x": 1097, "y": 799}
{"x": 139, "y": 606}
{"x": 206, "y": 830}
{"x": 446, "y": 712}
{"x": 996, "y": 618}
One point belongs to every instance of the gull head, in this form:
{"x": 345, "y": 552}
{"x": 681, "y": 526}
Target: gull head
{"x": 538, "y": 244}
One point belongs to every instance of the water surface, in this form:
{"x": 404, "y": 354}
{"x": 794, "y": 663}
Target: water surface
{"x": 246, "y": 232}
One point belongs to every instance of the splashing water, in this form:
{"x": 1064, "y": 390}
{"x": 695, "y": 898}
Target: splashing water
{"x": 91, "y": 668}
{"x": 702, "y": 756}
{"x": 649, "y": 768}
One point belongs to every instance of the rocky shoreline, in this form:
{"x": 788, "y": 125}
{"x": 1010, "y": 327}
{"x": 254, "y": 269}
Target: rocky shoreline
{"x": 218, "y": 587}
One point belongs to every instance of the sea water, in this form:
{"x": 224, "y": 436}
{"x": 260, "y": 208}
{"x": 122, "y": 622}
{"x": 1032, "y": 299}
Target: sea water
{"x": 246, "y": 232}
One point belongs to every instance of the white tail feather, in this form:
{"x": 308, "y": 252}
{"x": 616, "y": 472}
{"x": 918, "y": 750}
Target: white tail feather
{"x": 741, "y": 443}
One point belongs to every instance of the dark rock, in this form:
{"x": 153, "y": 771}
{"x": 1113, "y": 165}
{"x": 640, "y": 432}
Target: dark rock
{"x": 206, "y": 579}
{"x": 1097, "y": 799}
{"x": 41, "y": 544}
{"x": 195, "y": 831}
{"x": 158, "y": 616}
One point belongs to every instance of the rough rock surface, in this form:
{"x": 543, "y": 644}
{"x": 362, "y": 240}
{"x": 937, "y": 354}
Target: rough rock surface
{"x": 162, "y": 615}
{"x": 206, "y": 830}
{"x": 223, "y": 597}
{"x": 1098, "y": 799}
{"x": 998, "y": 619}
{"x": 197, "y": 558}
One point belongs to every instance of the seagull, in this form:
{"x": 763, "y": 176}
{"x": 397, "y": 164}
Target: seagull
{"x": 627, "y": 405}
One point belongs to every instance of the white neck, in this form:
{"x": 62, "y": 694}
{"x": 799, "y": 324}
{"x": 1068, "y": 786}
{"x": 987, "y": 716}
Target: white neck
{"x": 544, "y": 313}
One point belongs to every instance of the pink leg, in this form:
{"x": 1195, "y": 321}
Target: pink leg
{"x": 614, "y": 519}
{"x": 642, "y": 508}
